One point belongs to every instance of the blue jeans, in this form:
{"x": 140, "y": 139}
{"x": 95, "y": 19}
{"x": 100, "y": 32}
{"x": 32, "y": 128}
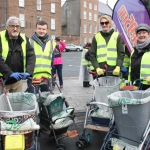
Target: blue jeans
{"x": 58, "y": 68}
{"x": 35, "y": 90}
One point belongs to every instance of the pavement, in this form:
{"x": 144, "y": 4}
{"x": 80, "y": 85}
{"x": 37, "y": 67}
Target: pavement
{"x": 76, "y": 95}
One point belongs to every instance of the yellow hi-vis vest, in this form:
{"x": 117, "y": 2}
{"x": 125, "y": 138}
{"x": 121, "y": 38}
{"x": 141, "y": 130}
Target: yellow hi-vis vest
{"x": 126, "y": 61}
{"x": 43, "y": 59}
{"x": 145, "y": 65}
{"x": 107, "y": 52}
{"x": 5, "y": 48}
{"x": 85, "y": 62}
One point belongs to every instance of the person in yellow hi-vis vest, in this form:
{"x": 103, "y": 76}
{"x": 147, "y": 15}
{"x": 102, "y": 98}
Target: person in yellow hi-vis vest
{"x": 43, "y": 48}
{"x": 17, "y": 57}
{"x": 84, "y": 72}
{"x": 139, "y": 61}
{"x": 107, "y": 49}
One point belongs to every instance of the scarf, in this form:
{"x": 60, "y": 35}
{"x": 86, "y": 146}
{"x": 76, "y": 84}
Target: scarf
{"x": 40, "y": 40}
{"x": 140, "y": 46}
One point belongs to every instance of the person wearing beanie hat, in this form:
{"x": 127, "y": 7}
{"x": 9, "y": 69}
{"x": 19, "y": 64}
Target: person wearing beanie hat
{"x": 142, "y": 27}
{"x": 139, "y": 60}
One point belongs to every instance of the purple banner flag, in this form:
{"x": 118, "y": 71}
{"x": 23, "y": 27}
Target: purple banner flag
{"x": 127, "y": 14}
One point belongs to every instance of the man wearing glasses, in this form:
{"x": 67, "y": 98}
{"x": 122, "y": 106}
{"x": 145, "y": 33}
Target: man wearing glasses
{"x": 107, "y": 49}
{"x": 17, "y": 57}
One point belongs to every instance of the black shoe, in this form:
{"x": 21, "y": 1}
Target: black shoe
{"x": 86, "y": 85}
{"x": 89, "y": 85}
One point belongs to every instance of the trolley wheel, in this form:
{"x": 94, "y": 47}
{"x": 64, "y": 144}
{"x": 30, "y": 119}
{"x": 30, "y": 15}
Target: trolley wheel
{"x": 61, "y": 147}
{"x": 80, "y": 145}
{"x": 85, "y": 142}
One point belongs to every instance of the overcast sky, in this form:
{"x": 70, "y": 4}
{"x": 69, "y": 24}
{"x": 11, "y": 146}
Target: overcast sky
{"x": 111, "y": 3}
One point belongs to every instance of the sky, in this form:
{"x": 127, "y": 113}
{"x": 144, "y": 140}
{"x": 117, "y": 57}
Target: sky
{"x": 111, "y": 3}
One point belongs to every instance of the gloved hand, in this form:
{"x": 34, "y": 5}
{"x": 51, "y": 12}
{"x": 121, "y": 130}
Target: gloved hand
{"x": 25, "y": 75}
{"x": 100, "y": 71}
{"x": 124, "y": 69}
{"x": 116, "y": 71}
{"x": 16, "y": 75}
{"x": 148, "y": 79}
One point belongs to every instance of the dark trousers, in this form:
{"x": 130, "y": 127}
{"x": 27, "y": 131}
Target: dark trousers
{"x": 58, "y": 69}
{"x": 35, "y": 89}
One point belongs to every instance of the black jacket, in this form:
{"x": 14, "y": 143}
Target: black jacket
{"x": 136, "y": 63}
{"x": 120, "y": 51}
{"x": 14, "y": 60}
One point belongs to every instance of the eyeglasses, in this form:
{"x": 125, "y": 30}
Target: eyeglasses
{"x": 106, "y": 23}
{"x": 13, "y": 26}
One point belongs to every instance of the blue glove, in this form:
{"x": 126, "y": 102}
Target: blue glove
{"x": 124, "y": 69}
{"x": 24, "y": 75}
{"x": 16, "y": 75}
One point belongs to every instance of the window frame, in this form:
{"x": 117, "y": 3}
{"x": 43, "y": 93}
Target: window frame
{"x": 21, "y": 3}
{"x": 53, "y": 21}
{"x": 53, "y": 10}
{"x": 22, "y": 20}
{"x": 38, "y": 6}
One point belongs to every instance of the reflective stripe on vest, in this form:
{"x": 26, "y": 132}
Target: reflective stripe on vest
{"x": 43, "y": 59}
{"x": 126, "y": 61}
{"x": 145, "y": 65}
{"x": 107, "y": 52}
{"x": 5, "y": 48}
{"x": 84, "y": 61}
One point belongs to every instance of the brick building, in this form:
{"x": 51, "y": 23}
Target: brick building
{"x": 79, "y": 21}
{"x": 30, "y": 11}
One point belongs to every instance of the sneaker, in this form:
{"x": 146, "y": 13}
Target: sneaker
{"x": 61, "y": 86}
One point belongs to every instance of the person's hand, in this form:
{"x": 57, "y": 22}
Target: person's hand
{"x": 116, "y": 71}
{"x": 16, "y": 75}
{"x": 148, "y": 79}
{"x": 100, "y": 71}
{"x": 25, "y": 75}
{"x": 124, "y": 69}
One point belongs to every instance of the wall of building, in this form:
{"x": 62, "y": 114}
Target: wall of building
{"x": 71, "y": 17}
{"x": 31, "y": 13}
{"x": 71, "y": 39}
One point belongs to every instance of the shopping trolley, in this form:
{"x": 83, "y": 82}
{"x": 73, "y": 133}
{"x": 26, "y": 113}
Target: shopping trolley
{"x": 131, "y": 128}
{"x": 18, "y": 113}
{"x": 101, "y": 117}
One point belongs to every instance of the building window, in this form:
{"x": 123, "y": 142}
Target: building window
{"x": 95, "y": 29}
{"x": 22, "y": 20}
{"x": 84, "y": 14}
{"x": 85, "y": 40}
{"x": 53, "y": 37}
{"x": 52, "y": 24}
{"x": 84, "y": 28}
{"x": 52, "y": 7}
{"x": 90, "y": 28}
{"x": 38, "y": 4}
{"x": 95, "y": 7}
{"x": 85, "y": 4}
{"x": 39, "y": 18}
{"x": 90, "y": 16}
{"x": 95, "y": 17}
{"x": 21, "y": 3}
{"x": 90, "y": 40}
{"x": 90, "y": 5}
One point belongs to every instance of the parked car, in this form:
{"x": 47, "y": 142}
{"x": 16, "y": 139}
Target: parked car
{"x": 72, "y": 47}
{"x": 83, "y": 45}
